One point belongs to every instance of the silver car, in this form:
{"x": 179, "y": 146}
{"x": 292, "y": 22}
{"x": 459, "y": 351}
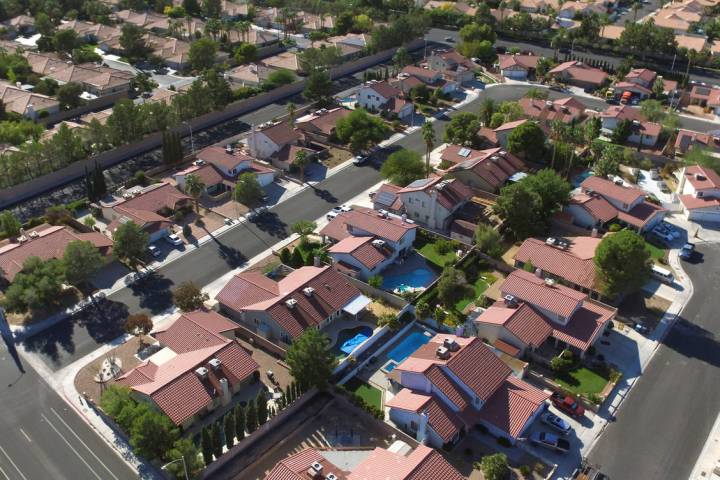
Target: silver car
{"x": 556, "y": 423}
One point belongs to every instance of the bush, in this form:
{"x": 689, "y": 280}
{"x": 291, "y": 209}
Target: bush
{"x": 595, "y": 398}
{"x": 187, "y": 231}
{"x": 179, "y": 215}
{"x": 563, "y": 363}
{"x": 525, "y": 471}
{"x": 615, "y": 227}
{"x": 443, "y": 246}
{"x": 375, "y": 281}
{"x": 495, "y": 467}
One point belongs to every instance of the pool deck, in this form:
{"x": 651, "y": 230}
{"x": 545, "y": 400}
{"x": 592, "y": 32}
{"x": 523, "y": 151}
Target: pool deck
{"x": 334, "y": 329}
{"x": 414, "y": 262}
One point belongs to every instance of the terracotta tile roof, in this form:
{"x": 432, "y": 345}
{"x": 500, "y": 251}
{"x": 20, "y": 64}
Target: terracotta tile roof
{"x": 563, "y": 110}
{"x": 555, "y": 298}
{"x": 365, "y": 221}
{"x": 585, "y": 325}
{"x": 526, "y": 62}
{"x": 450, "y": 193}
{"x": 362, "y": 249}
{"x": 702, "y": 178}
{"x": 285, "y": 60}
{"x": 384, "y": 89}
{"x": 574, "y": 264}
{"x": 512, "y": 405}
{"x": 427, "y": 76}
{"x": 640, "y": 214}
{"x": 478, "y": 367}
{"x": 611, "y": 32}
{"x": 644, "y": 74}
{"x": 288, "y": 153}
{"x": 296, "y": 466}
{"x": 632, "y": 86}
{"x": 155, "y": 198}
{"x": 506, "y": 348}
{"x": 220, "y": 157}
{"x": 493, "y": 165}
{"x": 281, "y": 133}
{"x": 206, "y": 173}
{"x": 195, "y": 330}
{"x": 581, "y": 72}
{"x": 610, "y": 190}
{"x": 50, "y": 242}
{"x": 446, "y": 423}
{"x": 687, "y": 139}
{"x": 523, "y": 322}
{"x": 440, "y": 379}
{"x": 595, "y": 205}
{"x": 323, "y": 122}
{"x": 692, "y": 202}
{"x": 423, "y": 463}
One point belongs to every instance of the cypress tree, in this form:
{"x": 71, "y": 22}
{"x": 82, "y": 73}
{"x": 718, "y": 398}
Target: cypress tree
{"x": 286, "y": 256}
{"x": 297, "y": 260}
{"x": 99, "y": 186}
{"x": 262, "y": 408}
{"x": 239, "y": 422}
{"x": 251, "y": 417}
{"x": 217, "y": 442}
{"x": 288, "y": 395}
{"x": 229, "y": 427}
{"x": 206, "y": 445}
{"x": 89, "y": 190}
{"x": 282, "y": 402}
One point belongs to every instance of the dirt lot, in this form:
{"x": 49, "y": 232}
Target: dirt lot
{"x": 642, "y": 307}
{"x": 336, "y": 157}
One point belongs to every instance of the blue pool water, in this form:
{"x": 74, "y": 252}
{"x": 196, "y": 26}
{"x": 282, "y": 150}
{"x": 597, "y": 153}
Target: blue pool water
{"x": 420, "y": 277}
{"x": 350, "y": 338}
{"x": 581, "y": 178}
{"x": 406, "y": 347}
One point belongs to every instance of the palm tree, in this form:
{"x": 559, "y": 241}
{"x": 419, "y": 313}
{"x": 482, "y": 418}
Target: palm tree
{"x": 292, "y": 110}
{"x": 428, "y": 135}
{"x": 487, "y": 108}
{"x": 557, "y": 133}
{"x": 502, "y": 6}
{"x": 301, "y": 161}
{"x": 194, "y": 187}
{"x": 604, "y": 22}
{"x": 635, "y": 7}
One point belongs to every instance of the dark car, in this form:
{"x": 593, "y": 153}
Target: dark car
{"x": 686, "y": 252}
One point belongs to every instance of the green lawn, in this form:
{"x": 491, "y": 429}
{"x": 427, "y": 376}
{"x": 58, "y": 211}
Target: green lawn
{"x": 582, "y": 381}
{"x": 370, "y": 394}
{"x": 655, "y": 252}
{"x": 430, "y": 252}
{"x": 481, "y": 284}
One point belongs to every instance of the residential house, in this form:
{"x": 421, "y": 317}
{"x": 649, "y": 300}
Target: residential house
{"x": 278, "y": 143}
{"x": 28, "y": 104}
{"x": 386, "y": 198}
{"x": 578, "y": 74}
{"x": 399, "y": 462}
{"x": 214, "y": 182}
{"x": 232, "y": 162}
{"x": 283, "y": 61}
{"x": 46, "y": 242}
{"x": 575, "y": 9}
{"x": 433, "y": 201}
{"x": 310, "y": 22}
{"x": 535, "y": 310}
{"x": 676, "y": 20}
{"x": 149, "y": 207}
{"x": 568, "y": 260}
{"x": 410, "y": 75}
{"x": 452, "y": 384}
{"x": 536, "y": 6}
{"x": 499, "y": 136}
{"x": 611, "y": 32}
{"x": 350, "y": 45}
{"x": 175, "y": 53}
{"x": 639, "y": 81}
{"x": 687, "y": 139}
{"x": 148, "y": 20}
{"x": 320, "y": 125}
{"x": 642, "y": 132}
{"x": 486, "y": 170}
{"x": 21, "y": 25}
{"x": 705, "y": 97}
{"x": 517, "y": 67}
{"x": 452, "y": 66}
{"x": 699, "y": 192}
{"x": 281, "y": 310}
{"x": 381, "y": 96}
{"x": 92, "y": 32}
{"x": 629, "y": 203}
{"x": 198, "y": 369}
{"x": 252, "y": 74}
{"x": 566, "y": 110}
{"x": 692, "y": 42}
{"x": 361, "y": 257}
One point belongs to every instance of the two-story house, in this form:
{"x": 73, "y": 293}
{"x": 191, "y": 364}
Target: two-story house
{"x": 536, "y": 309}
{"x": 320, "y": 124}
{"x": 433, "y": 201}
{"x": 230, "y": 163}
{"x": 381, "y": 96}
{"x": 278, "y": 143}
{"x": 198, "y": 369}
{"x": 452, "y": 66}
{"x": 281, "y": 310}
{"x": 452, "y": 384}
{"x": 642, "y": 132}
{"x": 412, "y": 75}
{"x": 566, "y": 110}
{"x": 699, "y": 192}
{"x": 486, "y": 170}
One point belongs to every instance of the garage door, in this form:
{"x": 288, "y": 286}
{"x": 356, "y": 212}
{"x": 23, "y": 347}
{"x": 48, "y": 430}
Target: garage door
{"x": 705, "y": 216}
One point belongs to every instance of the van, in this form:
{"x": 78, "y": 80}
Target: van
{"x": 662, "y": 274}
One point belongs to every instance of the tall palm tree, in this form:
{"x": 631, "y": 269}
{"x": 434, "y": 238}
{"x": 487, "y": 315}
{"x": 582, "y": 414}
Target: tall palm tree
{"x": 557, "y": 133}
{"x": 428, "y": 135}
{"x": 194, "y": 187}
{"x": 292, "y": 110}
{"x": 301, "y": 161}
{"x": 487, "y": 108}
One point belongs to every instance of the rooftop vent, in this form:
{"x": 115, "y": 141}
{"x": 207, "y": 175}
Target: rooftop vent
{"x": 228, "y": 148}
{"x": 331, "y": 476}
{"x": 215, "y": 363}
{"x": 317, "y": 467}
{"x": 549, "y": 103}
{"x": 442, "y": 353}
{"x": 291, "y": 302}
{"x": 201, "y": 372}
{"x": 700, "y": 176}
{"x": 510, "y": 301}
{"x": 550, "y": 241}
{"x": 199, "y": 162}
{"x": 308, "y": 291}
{"x": 22, "y": 239}
{"x": 502, "y": 153}
{"x": 550, "y": 282}
{"x": 34, "y": 234}
{"x": 378, "y": 243}
{"x": 464, "y": 152}
{"x": 451, "y": 344}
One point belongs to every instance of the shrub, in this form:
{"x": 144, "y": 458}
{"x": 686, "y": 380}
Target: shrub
{"x": 495, "y": 467}
{"x": 179, "y": 215}
{"x": 563, "y": 362}
{"x": 615, "y": 227}
{"x": 443, "y": 246}
{"x": 186, "y": 230}
{"x": 525, "y": 471}
{"x": 595, "y": 398}
{"x": 375, "y": 281}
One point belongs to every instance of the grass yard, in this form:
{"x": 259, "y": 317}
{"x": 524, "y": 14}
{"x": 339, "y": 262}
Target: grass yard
{"x": 370, "y": 394}
{"x": 485, "y": 279}
{"x": 429, "y": 251}
{"x": 656, "y": 253}
{"x": 582, "y": 381}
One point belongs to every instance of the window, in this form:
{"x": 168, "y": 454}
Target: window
{"x": 699, "y": 194}
{"x": 423, "y": 204}
{"x": 413, "y": 426}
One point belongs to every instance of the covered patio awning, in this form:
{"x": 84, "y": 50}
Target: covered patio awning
{"x": 357, "y": 304}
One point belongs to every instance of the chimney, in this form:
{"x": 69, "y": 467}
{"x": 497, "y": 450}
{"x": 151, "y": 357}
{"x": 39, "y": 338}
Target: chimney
{"x": 225, "y": 387}
{"x": 538, "y": 272}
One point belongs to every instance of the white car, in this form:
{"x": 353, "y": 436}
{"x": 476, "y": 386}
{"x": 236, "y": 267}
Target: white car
{"x": 154, "y": 251}
{"x": 555, "y": 422}
{"x": 173, "y": 239}
{"x": 337, "y": 211}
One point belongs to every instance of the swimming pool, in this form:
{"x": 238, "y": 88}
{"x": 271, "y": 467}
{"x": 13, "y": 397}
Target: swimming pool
{"x": 582, "y": 177}
{"x": 418, "y": 278}
{"x": 350, "y": 338}
{"x": 406, "y": 347}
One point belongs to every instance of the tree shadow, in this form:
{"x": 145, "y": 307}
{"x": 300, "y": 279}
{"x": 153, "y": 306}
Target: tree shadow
{"x": 271, "y": 224}
{"x": 51, "y": 342}
{"x": 154, "y": 292}
{"x": 325, "y": 195}
{"x": 104, "y": 321}
{"x": 693, "y": 341}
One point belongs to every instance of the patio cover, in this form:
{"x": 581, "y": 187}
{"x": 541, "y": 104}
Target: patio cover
{"x": 357, "y": 304}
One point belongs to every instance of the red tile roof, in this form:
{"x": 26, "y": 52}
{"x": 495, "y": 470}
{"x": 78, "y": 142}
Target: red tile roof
{"x": 585, "y": 325}
{"x": 206, "y": 173}
{"x": 365, "y": 221}
{"x": 324, "y": 122}
{"x": 295, "y": 466}
{"x": 563, "y": 110}
{"x": 220, "y": 157}
{"x": 281, "y": 133}
{"x": 362, "y": 249}
{"x": 423, "y": 463}
{"x": 423, "y": 74}
{"x": 493, "y": 165}
{"x": 574, "y": 264}
{"x": 610, "y": 190}
{"x": 527, "y": 62}
{"x": 523, "y": 322}
{"x": 440, "y": 379}
{"x": 644, "y": 74}
{"x": 386, "y": 196}
{"x": 687, "y": 139}
{"x": 156, "y": 198}
{"x": 581, "y": 72}
{"x": 556, "y": 298}
{"x": 195, "y": 330}
{"x": 702, "y": 178}
{"x": 384, "y": 89}
{"x": 512, "y": 405}
{"x": 451, "y": 193}
{"x": 641, "y": 214}
{"x": 444, "y": 421}
{"x": 692, "y": 202}
{"x": 478, "y": 367}
{"x": 595, "y": 205}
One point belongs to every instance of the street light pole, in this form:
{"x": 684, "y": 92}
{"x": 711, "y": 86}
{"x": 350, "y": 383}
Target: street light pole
{"x": 181, "y": 459}
{"x": 192, "y": 143}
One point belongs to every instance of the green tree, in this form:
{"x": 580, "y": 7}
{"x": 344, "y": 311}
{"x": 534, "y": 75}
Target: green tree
{"x": 9, "y": 225}
{"x": 622, "y": 263}
{"x": 65, "y": 41}
{"x": 609, "y": 161}
{"x": 403, "y": 167}
{"x": 206, "y": 446}
{"x": 652, "y": 110}
{"x": 310, "y": 359}
{"x": 262, "y": 409}
{"x": 152, "y": 434}
{"x": 698, "y": 156}
{"x": 554, "y": 191}
{"x": 189, "y": 297}
{"x": 483, "y": 50}
{"x": 303, "y": 228}
{"x": 592, "y": 129}
{"x": 495, "y": 467}
{"x": 319, "y": 59}
{"x": 38, "y": 285}
{"x": 622, "y": 131}
{"x": 217, "y": 440}
{"x": 537, "y": 93}
{"x": 245, "y": 53}
{"x": 521, "y": 208}
{"x": 487, "y": 240}
{"x": 202, "y": 53}
{"x": 229, "y": 429}
{"x": 428, "y": 134}
{"x": 527, "y": 141}
{"x": 239, "y": 422}
{"x": 301, "y": 162}
{"x": 375, "y": 281}
{"x": 171, "y": 147}
{"x": 487, "y": 108}
{"x": 360, "y": 130}
{"x": 183, "y": 448}
{"x": 115, "y": 398}
{"x": 248, "y": 191}
{"x": 462, "y": 130}
{"x": 452, "y": 286}
{"x": 69, "y": 95}
{"x": 195, "y": 187}
{"x": 251, "y": 417}
{"x": 401, "y": 58}
{"x": 132, "y": 42}
{"x": 130, "y": 243}
{"x": 318, "y": 88}
{"x": 212, "y": 8}
{"x": 297, "y": 259}
{"x": 81, "y": 259}
{"x": 658, "y": 87}
{"x": 474, "y": 32}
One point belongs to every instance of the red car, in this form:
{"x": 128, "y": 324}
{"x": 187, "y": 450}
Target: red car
{"x": 568, "y": 404}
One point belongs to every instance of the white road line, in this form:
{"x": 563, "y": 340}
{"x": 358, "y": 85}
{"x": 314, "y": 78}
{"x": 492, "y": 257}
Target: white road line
{"x": 71, "y": 447}
{"x": 84, "y": 444}
{"x": 12, "y": 463}
{"x": 27, "y": 437}
{"x": 4, "y": 474}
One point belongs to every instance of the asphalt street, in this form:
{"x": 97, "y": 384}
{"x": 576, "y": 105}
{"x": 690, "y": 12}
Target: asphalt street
{"x": 663, "y": 424}
{"x": 42, "y": 437}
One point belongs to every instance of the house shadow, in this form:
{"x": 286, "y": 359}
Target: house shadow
{"x": 274, "y": 193}
{"x": 153, "y": 292}
{"x": 316, "y": 172}
{"x": 693, "y": 341}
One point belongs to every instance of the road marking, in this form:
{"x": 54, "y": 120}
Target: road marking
{"x": 4, "y": 474}
{"x": 25, "y": 435}
{"x": 71, "y": 447}
{"x": 12, "y": 463}
{"x": 84, "y": 444}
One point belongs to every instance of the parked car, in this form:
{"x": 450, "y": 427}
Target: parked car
{"x": 256, "y": 213}
{"x": 555, "y": 422}
{"x": 567, "y": 404}
{"x": 686, "y": 252}
{"x": 662, "y": 235}
{"x": 671, "y": 229}
{"x": 360, "y": 159}
{"x": 173, "y": 239}
{"x": 550, "y": 440}
{"x": 662, "y": 274}
{"x": 337, "y": 211}
{"x": 154, "y": 251}
{"x": 449, "y": 39}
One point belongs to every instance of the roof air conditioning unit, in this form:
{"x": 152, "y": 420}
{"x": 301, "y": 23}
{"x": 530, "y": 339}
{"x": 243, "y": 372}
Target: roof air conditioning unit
{"x": 34, "y": 234}
{"x": 201, "y": 372}
{"x": 215, "y": 363}
{"x": 291, "y": 302}
{"x": 550, "y": 282}
{"x": 550, "y": 241}
{"x": 510, "y": 300}
{"x": 636, "y": 123}
{"x": 442, "y": 353}
{"x": 502, "y": 153}
{"x": 699, "y": 176}
{"x": 317, "y": 467}
{"x": 451, "y": 344}
{"x": 199, "y": 162}
{"x": 331, "y": 476}
{"x": 308, "y": 291}
{"x": 549, "y": 103}
{"x": 228, "y": 148}
{"x": 378, "y": 243}
{"x": 382, "y": 213}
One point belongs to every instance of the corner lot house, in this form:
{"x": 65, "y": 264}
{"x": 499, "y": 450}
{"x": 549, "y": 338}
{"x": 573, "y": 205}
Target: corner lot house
{"x": 199, "y": 368}
{"x": 486, "y": 170}
{"x": 451, "y": 384}
{"x": 453, "y": 66}
{"x": 309, "y": 297}
{"x": 381, "y": 96}
{"x": 46, "y": 242}
{"x": 578, "y": 74}
{"x": 699, "y": 190}
{"x": 535, "y": 310}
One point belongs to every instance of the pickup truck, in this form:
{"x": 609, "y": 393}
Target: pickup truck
{"x": 567, "y": 404}
{"x": 550, "y": 440}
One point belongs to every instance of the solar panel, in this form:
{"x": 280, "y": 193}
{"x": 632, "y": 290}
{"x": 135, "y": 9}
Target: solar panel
{"x": 464, "y": 152}
{"x": 386, "y": 198}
